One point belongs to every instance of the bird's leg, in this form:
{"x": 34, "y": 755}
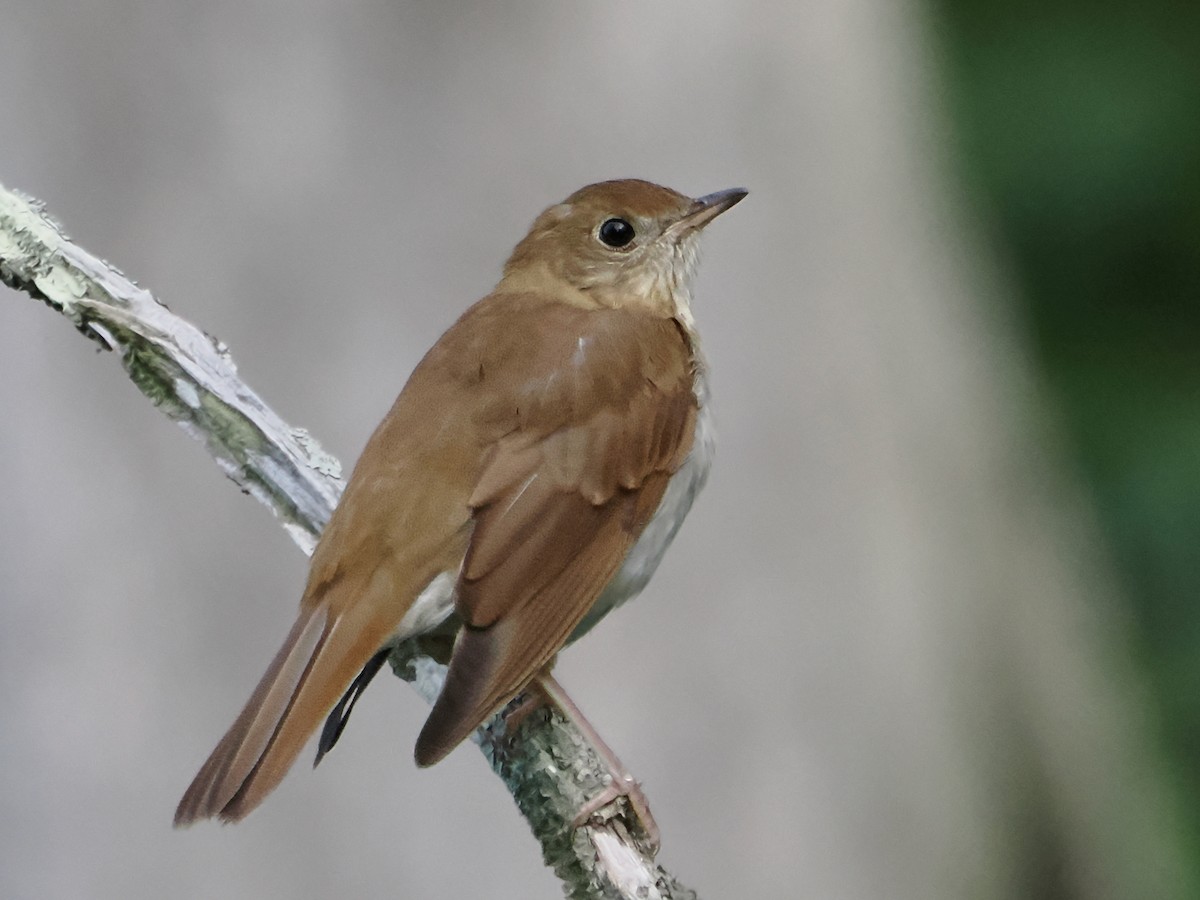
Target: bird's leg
{"x": 621, "y": 783}
{"x": 530, "y": 702}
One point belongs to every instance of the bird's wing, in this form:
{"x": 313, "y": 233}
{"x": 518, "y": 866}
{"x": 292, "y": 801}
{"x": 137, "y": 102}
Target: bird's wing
{"x": 561, "y": 500}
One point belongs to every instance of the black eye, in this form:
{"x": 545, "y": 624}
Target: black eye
{"x": 616, "y": 232}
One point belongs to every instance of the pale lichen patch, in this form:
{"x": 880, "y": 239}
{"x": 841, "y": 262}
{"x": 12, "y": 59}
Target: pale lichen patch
{"x": 187, "y": 393}
{"x": 325, "y": 463}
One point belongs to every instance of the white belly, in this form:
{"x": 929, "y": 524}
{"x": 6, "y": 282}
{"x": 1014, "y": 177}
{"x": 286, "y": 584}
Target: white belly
{"x": 436, "y": 602}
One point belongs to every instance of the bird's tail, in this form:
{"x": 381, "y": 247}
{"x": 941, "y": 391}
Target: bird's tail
{"x": 312, "y": 669}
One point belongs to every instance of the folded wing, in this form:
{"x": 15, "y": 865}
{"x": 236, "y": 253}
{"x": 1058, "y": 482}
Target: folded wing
{"x": 559, "y": 504}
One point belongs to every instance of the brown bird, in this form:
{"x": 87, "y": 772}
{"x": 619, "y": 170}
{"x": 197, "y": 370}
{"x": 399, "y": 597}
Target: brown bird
{"x": 527, "y": 480}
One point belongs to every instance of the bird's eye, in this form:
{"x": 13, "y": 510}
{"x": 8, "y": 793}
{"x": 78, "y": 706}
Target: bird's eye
{"x": 616, "y": 232}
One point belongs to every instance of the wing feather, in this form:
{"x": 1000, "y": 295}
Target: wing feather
{"x": 555, "y": 512}
{"x": 491, "y": 664}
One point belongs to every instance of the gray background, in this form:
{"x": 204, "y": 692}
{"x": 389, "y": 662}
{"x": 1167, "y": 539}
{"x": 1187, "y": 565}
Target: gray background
{"x": 865, "y": 670}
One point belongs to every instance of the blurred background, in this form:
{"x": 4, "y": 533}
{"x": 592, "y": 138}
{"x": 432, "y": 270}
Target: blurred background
{"x": 931, "y": 631}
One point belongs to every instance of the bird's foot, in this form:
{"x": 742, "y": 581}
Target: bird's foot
{"x": 622, "y": 784}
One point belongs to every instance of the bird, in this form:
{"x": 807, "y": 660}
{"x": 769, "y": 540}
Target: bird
{"x": 527, "y": 481}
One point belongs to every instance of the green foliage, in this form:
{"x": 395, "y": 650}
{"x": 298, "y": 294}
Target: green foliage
{"x": 1079, "y": 125}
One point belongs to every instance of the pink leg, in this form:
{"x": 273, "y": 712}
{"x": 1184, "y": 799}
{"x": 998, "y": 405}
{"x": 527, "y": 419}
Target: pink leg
{"x": 622, "y": 784}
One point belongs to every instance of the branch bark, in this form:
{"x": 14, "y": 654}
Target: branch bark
{"x": 546, "y": 764}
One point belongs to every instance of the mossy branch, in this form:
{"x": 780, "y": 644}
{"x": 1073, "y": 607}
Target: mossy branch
{"x": 546, "y": 764}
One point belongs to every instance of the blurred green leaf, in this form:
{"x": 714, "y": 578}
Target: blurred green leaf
{"x": 1079, "y": 130}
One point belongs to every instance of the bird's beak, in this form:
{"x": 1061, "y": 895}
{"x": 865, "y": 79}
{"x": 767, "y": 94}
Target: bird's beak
{"x": 707, "y": 208}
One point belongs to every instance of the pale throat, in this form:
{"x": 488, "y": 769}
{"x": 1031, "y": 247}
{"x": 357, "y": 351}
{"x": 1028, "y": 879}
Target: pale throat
{"x": 660, "y": 283}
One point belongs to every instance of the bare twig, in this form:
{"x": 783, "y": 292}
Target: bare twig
{"x": 547, "y": 765}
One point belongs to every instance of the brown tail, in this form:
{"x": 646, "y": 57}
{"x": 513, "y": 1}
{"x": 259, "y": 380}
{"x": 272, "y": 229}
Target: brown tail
{"x": 311, "y": 670}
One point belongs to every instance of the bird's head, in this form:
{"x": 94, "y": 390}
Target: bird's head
{"x": 618, "y": 243}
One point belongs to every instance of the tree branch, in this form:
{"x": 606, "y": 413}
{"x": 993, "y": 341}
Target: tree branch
{"x": 547, "y": 765}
